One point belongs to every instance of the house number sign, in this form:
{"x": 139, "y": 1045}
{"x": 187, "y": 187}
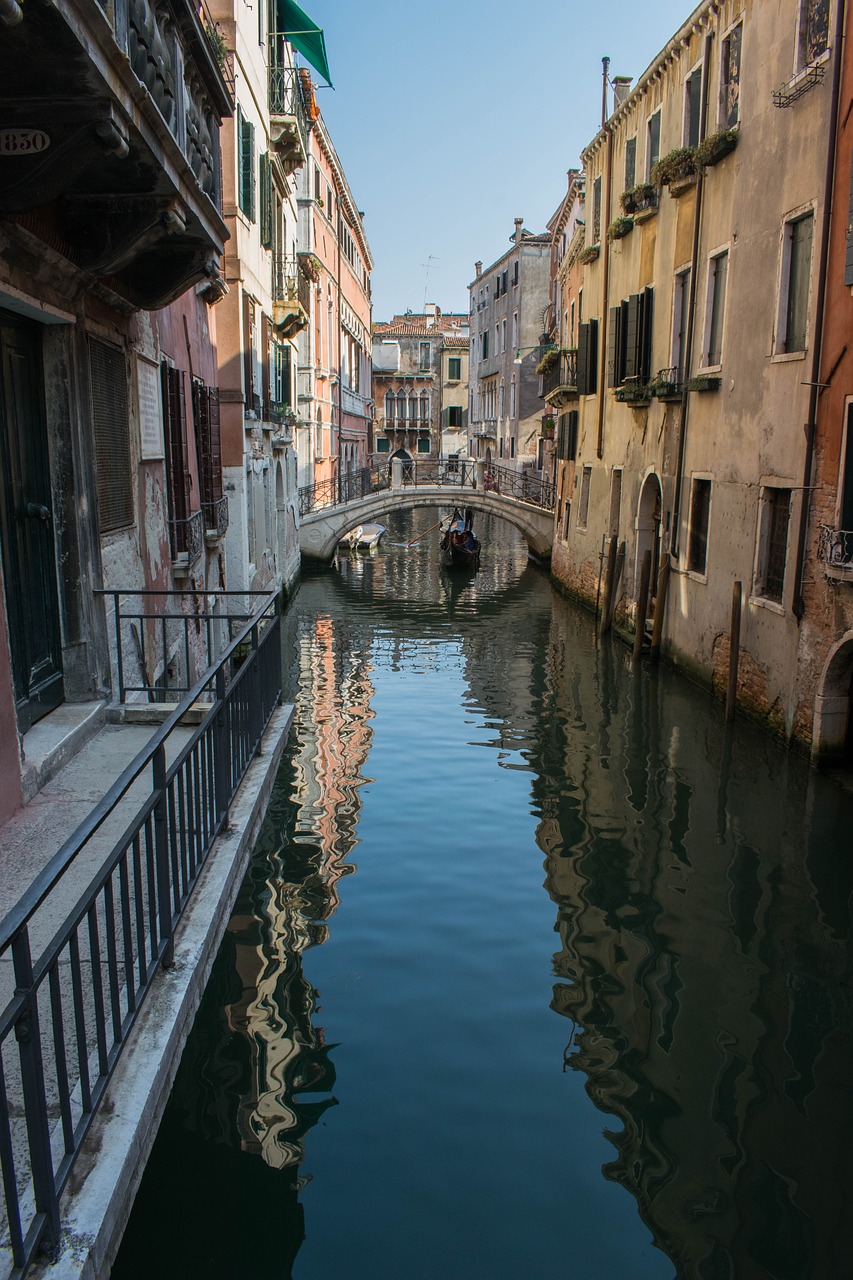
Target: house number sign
{"x": 23, "y": 142}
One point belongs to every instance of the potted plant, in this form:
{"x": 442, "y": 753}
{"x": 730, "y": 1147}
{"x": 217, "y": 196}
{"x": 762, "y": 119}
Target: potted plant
{"x": 620, "y": 227}
{"x": 548, "y": 360}
{"x": 665, "y": 385}
{"x": 704, "y": 382}
{"x": 677, "y": 164}
{"x": 547, "y": 428}
{"x": 717, "y": 145}
{"x": 637, "y": 394}
{"x": 642, "y": 196}
{"x": 589, "y": 254}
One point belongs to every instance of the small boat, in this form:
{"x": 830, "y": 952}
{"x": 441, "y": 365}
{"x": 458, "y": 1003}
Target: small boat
{"x": 365, "y": 537}
{"x": 459, "y": 549}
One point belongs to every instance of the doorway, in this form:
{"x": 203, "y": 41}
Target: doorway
{"x": 648, "y": 531}
{"x": 27, "y": 524}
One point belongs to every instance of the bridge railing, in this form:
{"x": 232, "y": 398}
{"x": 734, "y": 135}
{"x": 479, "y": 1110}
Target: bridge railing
{"x": 452, "y": 473}
{"x": 342, "y": 488}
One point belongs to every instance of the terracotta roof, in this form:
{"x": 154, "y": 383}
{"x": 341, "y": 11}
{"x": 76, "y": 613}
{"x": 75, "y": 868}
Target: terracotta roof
{"x": 456, "y": 340}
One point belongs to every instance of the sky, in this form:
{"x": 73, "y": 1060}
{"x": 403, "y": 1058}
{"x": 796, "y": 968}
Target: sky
{"x": 453, "y": 117}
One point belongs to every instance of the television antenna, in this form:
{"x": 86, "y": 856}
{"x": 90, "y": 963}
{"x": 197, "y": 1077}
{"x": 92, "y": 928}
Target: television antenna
{"x": 428, "y": 267}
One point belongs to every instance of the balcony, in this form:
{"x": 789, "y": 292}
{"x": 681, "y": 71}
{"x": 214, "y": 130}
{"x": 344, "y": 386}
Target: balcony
{"x": 835, "y": 550}
{"x": 115, "y": 116}
{"x": 355, "y": 403}
{"x": 288, "y": 125}
{"x": 291, "y": 296}
{"x": 559, "y": 382}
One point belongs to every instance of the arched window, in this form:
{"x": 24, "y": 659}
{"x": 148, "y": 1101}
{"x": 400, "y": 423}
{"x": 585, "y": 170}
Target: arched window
{"x": 413, "y": 408}
{"x": 390, "y": 406}
{"x": 401, "y": 408}
{"x": 424, "y": 408}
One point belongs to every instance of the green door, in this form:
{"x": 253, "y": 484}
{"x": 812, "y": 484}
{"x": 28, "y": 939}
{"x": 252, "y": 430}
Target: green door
{"x": 26, "y": 524}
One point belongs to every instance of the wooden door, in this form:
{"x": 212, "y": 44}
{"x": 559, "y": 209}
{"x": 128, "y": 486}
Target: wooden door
{"x": 26, "y": 524}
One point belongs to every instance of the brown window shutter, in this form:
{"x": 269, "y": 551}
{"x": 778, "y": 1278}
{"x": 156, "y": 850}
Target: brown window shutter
{"x": 111, "y": 433}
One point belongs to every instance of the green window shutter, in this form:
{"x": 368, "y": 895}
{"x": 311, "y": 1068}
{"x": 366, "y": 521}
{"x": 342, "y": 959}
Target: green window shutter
{"x": 592, "y": 358}
{"x": 632, "y": 335}
{"x": 246, "y": 175}
{"x": 582, "y": 359}
{"x": 613, "y": 344}
{"x": 266, "y": 201}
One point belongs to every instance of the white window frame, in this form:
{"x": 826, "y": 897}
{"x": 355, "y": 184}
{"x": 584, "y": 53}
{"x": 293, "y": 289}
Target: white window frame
{"x": 680, "y": 310}
{"x": 762, "y": 537}
{"x": 783, "y": 284}
{"x": 696, "y": 574}
{"x": 514, "y": 343}
{"x": 801, "y": 67}
{"x": 685, "y": 121}
{"x": 648, "y": 157}
{"x": 710, "y": 290}
{"x": 583, "y": 501}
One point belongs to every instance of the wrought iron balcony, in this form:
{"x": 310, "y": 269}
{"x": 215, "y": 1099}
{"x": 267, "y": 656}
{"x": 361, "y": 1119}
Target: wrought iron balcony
{"x": 215, "y": 518}
{"x": 291, "y": 295}
{"x": 187, "y": 541}
{"x": 560, "y": 381}
{"x": 835, "y": 547}
{"x": 288, "y": 127}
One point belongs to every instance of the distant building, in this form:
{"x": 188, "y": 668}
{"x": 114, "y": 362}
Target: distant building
{"x": 335, "y": 396}
{"x": 508, "y": 310}
{"x": 420, "y": 382}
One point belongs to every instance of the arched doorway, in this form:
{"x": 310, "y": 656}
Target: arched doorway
{"x": 648, "y": 531}
{"x": 407, "y": 460}
{"x": 832, "y": 729}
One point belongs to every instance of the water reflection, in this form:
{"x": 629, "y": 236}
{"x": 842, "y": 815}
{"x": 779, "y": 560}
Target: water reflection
{"x": 702, "y": 884}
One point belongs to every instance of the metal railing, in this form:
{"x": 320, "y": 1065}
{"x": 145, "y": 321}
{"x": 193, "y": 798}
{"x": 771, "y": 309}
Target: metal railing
{"x": 343, "y": 488}
{"x": 187, "y": 538}
{"x": 524, "y": 486}
{"x": 215, "y": 517}
{"x": 64, "y": 1026}
{"x": 563, "y": 374}
{"x": 163, "y": 640}
{"x": 835, "y": 546}
{"x": 290, "y": 285}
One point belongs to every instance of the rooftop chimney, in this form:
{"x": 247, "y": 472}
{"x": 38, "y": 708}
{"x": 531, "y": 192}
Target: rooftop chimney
{"x": 519, "y": 229}
{"x": 621, "y": 89}
{"x": 478, "y": 268}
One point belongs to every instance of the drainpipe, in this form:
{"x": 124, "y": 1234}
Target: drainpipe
{"x": 605, "y": 268}
{"x": 799, "y": 606}
{"x": 691, "y": 322}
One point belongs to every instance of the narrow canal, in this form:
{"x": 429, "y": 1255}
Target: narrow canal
{"x": 535, "y": 972}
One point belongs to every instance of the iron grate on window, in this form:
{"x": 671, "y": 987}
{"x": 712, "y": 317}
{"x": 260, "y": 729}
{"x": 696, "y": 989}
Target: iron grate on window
{"x": 111, "y": 432}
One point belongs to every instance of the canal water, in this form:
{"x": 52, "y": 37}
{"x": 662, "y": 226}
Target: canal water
{"x": 536, "y": 971}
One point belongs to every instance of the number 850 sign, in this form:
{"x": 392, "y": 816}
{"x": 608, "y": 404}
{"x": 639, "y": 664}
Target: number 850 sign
{"x": 23, "y": 142}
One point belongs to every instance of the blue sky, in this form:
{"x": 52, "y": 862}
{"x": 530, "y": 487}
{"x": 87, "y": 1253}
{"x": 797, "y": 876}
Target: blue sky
{"x": 453, "y": 117}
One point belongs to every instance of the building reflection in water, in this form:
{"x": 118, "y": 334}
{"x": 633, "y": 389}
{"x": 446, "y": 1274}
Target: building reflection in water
{"x": 704, "y": 966}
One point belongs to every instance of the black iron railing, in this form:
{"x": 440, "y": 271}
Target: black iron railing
{"x": 215, "y": 517}
{"x": 290, "y": 285}
{"x": 562, "y": 374}
{"x": 343, "y": 488}
{"x": 835, "y": 546}
{"x": 524, "y": 486}
{"x": 72, "y": 1007}
{"x": 162, "y": 641}
{"x": 187, "y": 538}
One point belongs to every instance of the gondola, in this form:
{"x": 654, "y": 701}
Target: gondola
{"x": 459, "y": 548}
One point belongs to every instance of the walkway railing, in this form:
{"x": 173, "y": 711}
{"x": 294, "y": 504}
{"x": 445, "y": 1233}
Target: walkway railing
{"x": 524, "y": 486}
{"x": 73, "y": 1007}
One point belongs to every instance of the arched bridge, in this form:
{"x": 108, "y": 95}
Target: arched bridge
{"x": 328, "y": 511}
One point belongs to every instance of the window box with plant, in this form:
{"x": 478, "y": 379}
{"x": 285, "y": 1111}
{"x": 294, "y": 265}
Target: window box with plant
{"x": 639, "y": 198}
{"x": 636, "y": 394}
{"x": 547, "y": 431}
{"x": 620, "y": 228}
{"x": 674, "y": 167}
{"x": 666, "y": 385}
{"x": 548, "y": 360}
{"x": 589, "y": 254}
{"x": 715, "y": 147}
{"x": 704, "y": 382}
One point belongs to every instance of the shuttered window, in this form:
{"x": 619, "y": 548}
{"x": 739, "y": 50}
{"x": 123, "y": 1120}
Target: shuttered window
{"x": 208, "y": 444}
{"x": 111, "y": 432}
{"x": 177, "y": 460}
{"x": 246, "y": 163}
{"x": 567, "y": 436}
{"x": 630, "y": 163}
{"x": 266, "y": 201}
{"x": 587, "y": 358}
{"x": 798, "y": 236}
{"x": 629, "y": 340}
{"x": 692, "y": 108}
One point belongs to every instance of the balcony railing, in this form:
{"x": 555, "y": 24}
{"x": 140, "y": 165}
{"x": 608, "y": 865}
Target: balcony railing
{"x": 291, "y": 294}
{"x": 187, "y": 539}
{"x": 835, "y": 547}
{"x": 69, "y": 1010}
{"x": 215, "y": 517}
{"x": 562, "y": 376}
{"x": 343, "y": 488}
{"x": 288, "y": 129}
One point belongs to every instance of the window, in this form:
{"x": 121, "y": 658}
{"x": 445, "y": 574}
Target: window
{"x": 630, "y": 163}
{"x": 383, "y": 444}
{"x": 267, "y": 203}
{"x": 390, "y": 407}
{"x": 502, "y": 401}
{"x": 629, "y": 340}
{"x": 652, "y": 143}
{"x": 615, "y": 503}
{"x": 567, "y": 521}
{"x": 206, "y": 419}
{"x": 246, "y": 173}
{"x": 485, "y": 345}
{"x": 729, "y": 113}
{"x": 515, "y": 330}
{"x": 497, "y": 338}
{"x": 813, "y": 35}
{"x": 692, "y": 108}
{"x": 317, "y": 195}
{"x": 497, "y": 285}
{"x": 718, "y": 270}
{"x": 794, "y": 284}
{"x": 596, "y": 211}
{"x": 423, "y": 444}
{"x": 503, "y": 335}
{"x": 567, "y": 436}
{"x": 700, "y": 510}
{"x": 513, "y": 399}
{"x": 111, "y": 429}
{"x": 424, "y": 357}
{"x": 454, "y": 415}
{"x": 583, "y": 511}
{"x": 680, "y": 309}
{"x": 503, "y": 282}
{"x": 587, "y": 358}
{"x": 177, "y": 458}
{"x": 512, "y": 447}
{"x": 773, "y": 544}
{"x": 454, "y": 368}
{"x": 515, "y": 272}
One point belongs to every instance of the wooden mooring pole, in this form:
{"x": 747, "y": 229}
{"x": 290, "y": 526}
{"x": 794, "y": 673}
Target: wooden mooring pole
{"x": 609, "y": 584}
{"x": 734, "y": 653}
{"x": 660, "y": 609}
{"x": 642, "y": 606}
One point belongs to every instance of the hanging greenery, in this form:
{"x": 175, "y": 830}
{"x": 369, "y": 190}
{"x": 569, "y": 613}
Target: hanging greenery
{"x": 589, "y": 254}
{"x": 677, "y": 164}
{"x": 643, "y": 196}
{"x": 620, "y": 228}
{"x": 717, "y": 145}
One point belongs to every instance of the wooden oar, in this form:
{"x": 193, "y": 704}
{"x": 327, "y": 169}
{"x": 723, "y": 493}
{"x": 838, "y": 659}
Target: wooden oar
{"x": 424, "y": 534}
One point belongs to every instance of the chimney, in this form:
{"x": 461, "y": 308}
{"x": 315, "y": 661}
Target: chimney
{"x": 429, "y": 313}
{"x": 621, "y": 89}
{"x": 519, "y": 230}
{"x": 478, "y": 268}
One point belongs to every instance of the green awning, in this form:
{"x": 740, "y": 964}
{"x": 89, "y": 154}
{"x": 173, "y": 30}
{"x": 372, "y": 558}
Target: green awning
{"x": 304, "y": 35}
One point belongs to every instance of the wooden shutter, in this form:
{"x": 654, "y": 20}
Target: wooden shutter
{"x": 632, "y": 335}
{"x": 246, "y": 174}
{"x": 613, "y": 347}
{"x": 630, "y": 163}
{"x": 592, "y": 358}
{"x": 177, "y": 463}
{"x": 266, "y": 201}
{"x": 111, "y": 433}
{"x": 583, "y": 343}
{"x": 848, "y": 260}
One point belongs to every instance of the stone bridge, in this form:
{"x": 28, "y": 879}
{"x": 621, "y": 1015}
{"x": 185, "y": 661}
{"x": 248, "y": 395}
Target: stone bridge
{"x": 322, "y": 528}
